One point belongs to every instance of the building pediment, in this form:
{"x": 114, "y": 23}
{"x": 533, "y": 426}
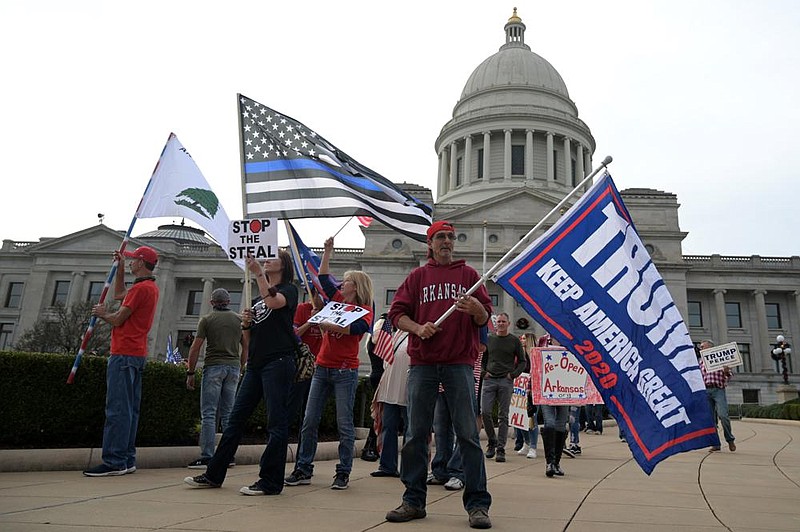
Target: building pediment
{"x": 524, "y": 206}
{"x": 92, "y": 239}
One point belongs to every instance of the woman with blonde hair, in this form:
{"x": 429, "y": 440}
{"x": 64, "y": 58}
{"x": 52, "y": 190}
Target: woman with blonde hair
{"x": 337, "y": 372}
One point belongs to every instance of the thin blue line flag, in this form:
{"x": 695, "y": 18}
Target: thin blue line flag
{"x": 292, "y": 172}
{"x": 591, "y": 283}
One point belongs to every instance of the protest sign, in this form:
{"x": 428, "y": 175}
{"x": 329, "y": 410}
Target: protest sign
{"x": 720, "y": 356}
{"x": 341, "y": 314}
{"x": 559, "y": 379}
{"x": 257, "y": 238}
{"x": 518, "y": 410}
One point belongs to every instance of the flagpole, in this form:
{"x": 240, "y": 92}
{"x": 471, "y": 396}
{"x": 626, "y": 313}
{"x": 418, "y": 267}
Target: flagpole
{"x": 342, "y": 227}
{"x": 298, "y": 262}
{"x": 114, "y": 265}
{"x": 247, "y": 295}
{"x": 524, "y": 239}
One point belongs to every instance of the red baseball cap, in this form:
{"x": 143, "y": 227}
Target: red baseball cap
{"x": 441, "y": 225}
{"x": 146, "y": 253}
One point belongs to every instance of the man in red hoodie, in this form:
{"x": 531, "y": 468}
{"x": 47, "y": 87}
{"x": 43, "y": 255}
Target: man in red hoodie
{"x": 445, "y": 355}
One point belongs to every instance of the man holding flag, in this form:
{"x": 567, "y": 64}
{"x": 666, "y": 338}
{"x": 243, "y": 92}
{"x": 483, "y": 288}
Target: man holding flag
{"x": 443, "y": 355}
{"x": 130, "y": 323}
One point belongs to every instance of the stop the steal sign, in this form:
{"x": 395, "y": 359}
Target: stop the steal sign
{"x": 719, "y": 356}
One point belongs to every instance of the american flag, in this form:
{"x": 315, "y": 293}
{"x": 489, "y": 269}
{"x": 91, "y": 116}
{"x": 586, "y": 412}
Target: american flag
{"x": 384, "y": 346}
{"x": 292, "y": 172}
{"x": 173, "y": 355}
{"x": 364, "y": 220}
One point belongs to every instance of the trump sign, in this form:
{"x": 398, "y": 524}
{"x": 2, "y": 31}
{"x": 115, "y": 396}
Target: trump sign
{"x": 591, "y": 283}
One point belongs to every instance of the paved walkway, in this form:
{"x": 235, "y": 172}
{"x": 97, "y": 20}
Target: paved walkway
{"x": 755, "y": 488}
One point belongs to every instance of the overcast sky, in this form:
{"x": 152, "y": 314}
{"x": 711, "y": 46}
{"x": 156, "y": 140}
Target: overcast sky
{"x": 694, "y": 98}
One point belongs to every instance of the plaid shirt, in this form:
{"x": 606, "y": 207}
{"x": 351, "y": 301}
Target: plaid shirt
{"x": 714, "y": 379}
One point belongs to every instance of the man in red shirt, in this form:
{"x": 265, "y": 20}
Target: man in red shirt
{"x": 443, "y": 355}
{"x": 131, "y": 324}
{"x": 716, "y": 382}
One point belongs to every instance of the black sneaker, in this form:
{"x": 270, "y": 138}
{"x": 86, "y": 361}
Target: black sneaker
{"x": 382, "y": 473}
{"x": 297, "y": 478}
{"x": 501, "y": 455}
{"x": 105, "y": 471}
{"x": 341, "y": 481}
{"x": 479, "y": 518}
{"x": 557, "y": 471}
{"x": 257, "y": 489}
{"x": 490, "y": 451}
{"x": 200, "y": 463}
{"x": 568, "y": 451}
{"x": 576, "y": 449}
{"x": 200, "y": 481}
{"x": 550, "y": 470}
{"x": 405, "y": 512}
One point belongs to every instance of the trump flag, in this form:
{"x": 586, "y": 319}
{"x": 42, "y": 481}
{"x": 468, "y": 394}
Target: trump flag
{"x": 591, "y": 283}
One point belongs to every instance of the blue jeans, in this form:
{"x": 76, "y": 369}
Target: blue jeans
{"x": 270, "y": 383}
{"x": 218, "y": 390}
{"x": 555, "y": 417}
{"x": 123, "y": 399}
{"x": 459, "y": 391}
{"x": 392, "y": 416}
{"x": 533, "y": 434}
{"x": 298, "y": 398}
{"x": 574, "y": 424}
{"x": 343, "y": 384}
{"x": 496, "y": 389}
{"x": 594, "y": 416}
{"x": 718, "y": 402}
{"x": 446, "y": 463}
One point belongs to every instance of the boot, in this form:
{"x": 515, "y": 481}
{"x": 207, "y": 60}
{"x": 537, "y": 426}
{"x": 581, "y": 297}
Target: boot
{"x": 547, "y": 441}
{"x": 560, "y": 438}
{"x": 370, "y": 451}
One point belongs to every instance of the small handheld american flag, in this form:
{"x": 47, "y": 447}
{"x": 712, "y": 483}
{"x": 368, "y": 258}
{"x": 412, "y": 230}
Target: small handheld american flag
{"x": 384, "y": 346}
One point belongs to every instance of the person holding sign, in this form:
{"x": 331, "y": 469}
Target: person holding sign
{"x": 270, "y": 371}
{"x": 443, "y": 355}
{"x": 716, "y": 382}
{"x": 337, "y": 372}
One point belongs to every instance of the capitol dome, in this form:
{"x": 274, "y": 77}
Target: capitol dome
{"x": 514, "y": 125}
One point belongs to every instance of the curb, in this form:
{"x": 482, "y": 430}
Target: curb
{"x": 27, "y": 460}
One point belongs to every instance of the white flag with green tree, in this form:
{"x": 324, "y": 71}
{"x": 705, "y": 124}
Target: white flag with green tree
{"x": 178, "y": 188}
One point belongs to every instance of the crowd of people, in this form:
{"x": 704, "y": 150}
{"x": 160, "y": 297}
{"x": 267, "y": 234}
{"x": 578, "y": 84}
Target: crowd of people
{"x": 449, "y": 377}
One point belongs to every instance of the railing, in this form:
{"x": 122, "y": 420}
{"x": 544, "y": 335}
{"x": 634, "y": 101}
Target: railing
{"x": 734, "y": 261}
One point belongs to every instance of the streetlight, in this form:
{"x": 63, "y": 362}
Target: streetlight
{"x": 780, "y": 352}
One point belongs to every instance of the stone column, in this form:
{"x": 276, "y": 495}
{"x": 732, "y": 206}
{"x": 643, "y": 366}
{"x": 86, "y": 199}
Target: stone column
{"x": 442, "y": 173}
{"x": 453, "y": 165}
{"x": 487, "y": 140}
{"x": 529, "y": 155}
{"x": 507, "y": 155}
{"x": 569, "y": 175}
{"x": 579, "y": 162}
{"x": 76, "y": 288}
{"x": 467, "y": 159}
{"x": 587, "y": 164}
{"x": 762, "y": 334}
{"x": 722, "y": 320}
{"x": 208, "y": 287}
{"x": 551, "y": 163}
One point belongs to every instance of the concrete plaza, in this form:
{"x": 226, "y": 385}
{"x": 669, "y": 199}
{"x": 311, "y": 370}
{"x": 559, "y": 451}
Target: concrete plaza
{"x": 755, "y": 488}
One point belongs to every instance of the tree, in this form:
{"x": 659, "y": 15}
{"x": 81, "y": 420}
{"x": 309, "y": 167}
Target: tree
{"x": 61, "y": 329}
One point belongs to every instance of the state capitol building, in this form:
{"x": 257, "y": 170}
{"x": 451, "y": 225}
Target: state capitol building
{"x": 512, "y": 150}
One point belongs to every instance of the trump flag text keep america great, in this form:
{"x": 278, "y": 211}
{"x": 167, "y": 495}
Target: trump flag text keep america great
{"x": 591, "y": 283}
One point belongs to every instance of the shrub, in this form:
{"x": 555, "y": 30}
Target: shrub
{"x": 39, "y": 409}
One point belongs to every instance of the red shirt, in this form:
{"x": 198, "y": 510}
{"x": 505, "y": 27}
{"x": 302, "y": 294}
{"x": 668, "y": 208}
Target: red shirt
{"x": 313, "y": 335}
{"x": 340, "y": 351}
{"x": 130, "y": 338}
{"x": 425, "y": 296}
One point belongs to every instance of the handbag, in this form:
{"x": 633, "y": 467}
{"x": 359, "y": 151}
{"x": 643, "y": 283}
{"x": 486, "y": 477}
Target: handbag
{"x": 305, "y": 362}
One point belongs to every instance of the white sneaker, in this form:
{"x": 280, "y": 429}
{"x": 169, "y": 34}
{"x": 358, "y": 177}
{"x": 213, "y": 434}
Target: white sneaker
{"x": 532, "y": 453}
{"x": 524, "y": 450}
{"x": 454, "y": 484}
